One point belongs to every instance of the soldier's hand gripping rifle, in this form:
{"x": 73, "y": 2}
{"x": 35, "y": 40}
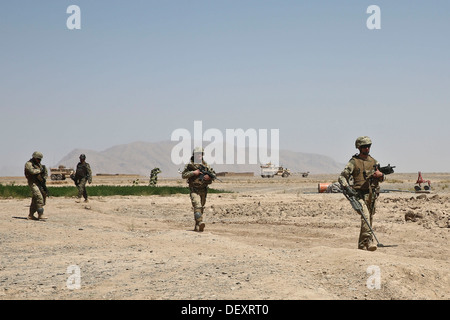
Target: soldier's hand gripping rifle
{"x": 384, "y": 170}
{"x": 206, "y": 171}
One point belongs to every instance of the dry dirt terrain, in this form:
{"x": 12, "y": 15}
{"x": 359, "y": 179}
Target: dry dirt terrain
{"x": 271, "y": 239}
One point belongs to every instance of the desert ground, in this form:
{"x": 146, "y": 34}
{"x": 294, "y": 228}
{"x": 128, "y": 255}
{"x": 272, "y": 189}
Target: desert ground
{"x": 269, "y": 239}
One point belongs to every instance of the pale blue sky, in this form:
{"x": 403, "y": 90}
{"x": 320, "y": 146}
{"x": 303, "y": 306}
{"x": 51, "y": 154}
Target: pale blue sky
{"x": 138, "y": 70}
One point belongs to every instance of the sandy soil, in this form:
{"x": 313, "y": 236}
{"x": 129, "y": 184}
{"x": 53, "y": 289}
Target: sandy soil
{"x": 269, "y": 239}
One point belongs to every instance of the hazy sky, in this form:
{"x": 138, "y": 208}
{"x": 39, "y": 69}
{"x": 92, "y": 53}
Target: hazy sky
{"x": 138, "y": 70}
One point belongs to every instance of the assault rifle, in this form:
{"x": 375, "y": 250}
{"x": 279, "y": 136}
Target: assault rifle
{"x": 206, "y": 171}
{"x": 42, "y": 180}
{"x": 385, "y": 170}
{"x": 72, "y": 176}
{"x": 394, "y": 190}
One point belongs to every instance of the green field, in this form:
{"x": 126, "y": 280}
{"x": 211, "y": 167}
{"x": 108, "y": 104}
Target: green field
{"x": 8, "y": 191}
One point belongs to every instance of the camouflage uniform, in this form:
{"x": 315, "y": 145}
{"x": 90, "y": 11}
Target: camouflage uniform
{"x": 359, "y": 170}
{"x": 36, "y": 174}
{"x": 198, "y": 191}
{"x": 154, "y": 176}
{"x": 83, "y": 174}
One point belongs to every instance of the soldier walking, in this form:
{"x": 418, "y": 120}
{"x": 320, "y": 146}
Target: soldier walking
{"x": 198, "y": 185}
{"x": 83, "y": 174}
{"x": 36, "y": 175}
{"x": 365, "y": 187}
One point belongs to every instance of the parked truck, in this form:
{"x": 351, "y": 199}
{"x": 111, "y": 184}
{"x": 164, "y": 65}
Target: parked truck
{"x": 60, "y": 173}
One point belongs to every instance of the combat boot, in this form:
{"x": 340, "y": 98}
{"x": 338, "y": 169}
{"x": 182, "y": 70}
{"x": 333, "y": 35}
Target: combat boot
{"x": 370, "y": 245}
{"x": 41, "y": 217}
{"x": 199, "y": 225}
{"x": 31, "y": 217}
{"x": 41, "y": 214}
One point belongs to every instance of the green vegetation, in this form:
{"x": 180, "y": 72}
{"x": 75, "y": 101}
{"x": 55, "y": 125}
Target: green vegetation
{"x": 14, "y": 191}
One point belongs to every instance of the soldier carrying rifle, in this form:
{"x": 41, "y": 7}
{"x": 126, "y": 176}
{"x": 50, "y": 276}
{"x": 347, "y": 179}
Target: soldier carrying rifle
{"x": 199, "y": 176}
{"x": 366, "y": 175}
{"x": 36, "y": 175}
{"x": 82, "y": 175}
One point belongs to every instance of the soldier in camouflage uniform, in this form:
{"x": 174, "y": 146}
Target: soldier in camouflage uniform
{"x": 198, "y": 186}
{"x": 154, "y": 176}
{"x": 36, "y": 174}
{"x": 82, "y": 175}
{"x": 365, "y": 187}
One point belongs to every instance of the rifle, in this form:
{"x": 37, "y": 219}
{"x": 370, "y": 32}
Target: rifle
{"x": 358, "y": 208}
{"x": 206, "y": 171}
{"x": 43, "y": 181}
{"x": 394, "y": 190}
{"x": 385, "y": 170}
{"x": 72, "y": 176}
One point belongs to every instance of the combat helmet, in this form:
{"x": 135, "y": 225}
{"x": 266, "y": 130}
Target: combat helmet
{"x": 198, "y": 150}
{"x": 361, "y": 141}
{"x": 82, "y": 156}
{"x": 37, "y": 155}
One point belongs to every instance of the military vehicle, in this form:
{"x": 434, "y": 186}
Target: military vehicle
{"x": 269, "y": 171}
{"x": 60, "y": 173}
{"x": 283, "y": 172}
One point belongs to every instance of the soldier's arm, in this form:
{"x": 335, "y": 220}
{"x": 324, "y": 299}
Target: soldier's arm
{"x": 44, "y": 172}
{"x": 187, "y": 173}
{"x": 32, "y": 170}
{"x": 345, "y": 174}
{"x": 89, "y": 172}
{"x": 378, "y": 174}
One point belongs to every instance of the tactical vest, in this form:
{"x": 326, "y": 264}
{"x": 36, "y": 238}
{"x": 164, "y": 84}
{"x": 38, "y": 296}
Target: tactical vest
{"x": 197, "y": 182}
{"x": 29, "y": 176}
{"x": 361, "y": 171}
{"x": 82, "y": 171}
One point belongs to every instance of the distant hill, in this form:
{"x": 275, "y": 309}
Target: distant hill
{"x": 141, "y": 157}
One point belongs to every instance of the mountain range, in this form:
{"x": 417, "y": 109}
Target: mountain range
{"x": 141, "y": 157}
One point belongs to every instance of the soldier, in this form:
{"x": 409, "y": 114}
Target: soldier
{"x": 36, "y": 175}
{"x": 154, "y": 176}
{"x": 82, "y": 175}
{"x": 198, "y": 185}
{"x": 365, "y": 187}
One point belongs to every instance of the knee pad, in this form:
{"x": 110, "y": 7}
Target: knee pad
{"x": 40, "y": 210}
{"x": 197, "y": 215}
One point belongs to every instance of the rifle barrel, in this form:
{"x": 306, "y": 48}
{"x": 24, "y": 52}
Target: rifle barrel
{"x": 395, "y": 190}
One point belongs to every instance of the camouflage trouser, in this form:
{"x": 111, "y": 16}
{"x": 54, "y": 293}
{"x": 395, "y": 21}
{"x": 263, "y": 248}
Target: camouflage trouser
{"x": 82, "y": 188}
{"x": 368, "y": 206}
{"x": 198, "y": 200}
{"x": 38, "y": 197}
{"x": 153, "y": 180}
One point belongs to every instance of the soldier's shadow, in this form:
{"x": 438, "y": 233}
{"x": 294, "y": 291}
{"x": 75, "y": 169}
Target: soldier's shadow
{"x": 25, "y": 218}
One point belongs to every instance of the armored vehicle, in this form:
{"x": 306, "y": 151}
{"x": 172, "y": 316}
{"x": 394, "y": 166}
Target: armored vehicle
{"x": 60, "y": 173}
